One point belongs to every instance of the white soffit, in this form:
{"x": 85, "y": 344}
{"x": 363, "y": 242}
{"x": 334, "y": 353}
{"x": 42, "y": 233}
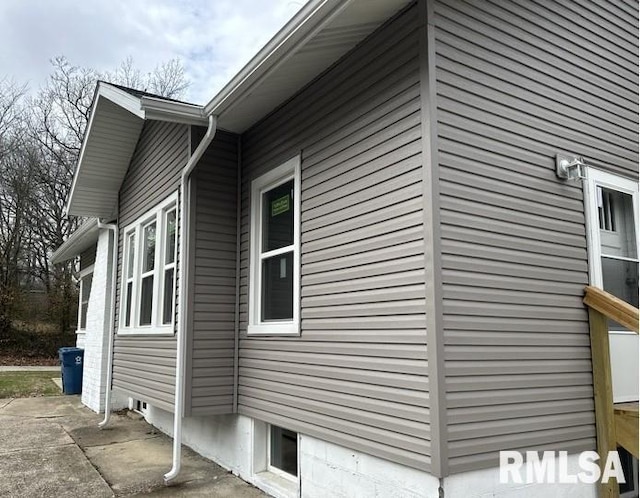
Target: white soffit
{"x": 300, "y": 52}
{"x": 110, "y": 139}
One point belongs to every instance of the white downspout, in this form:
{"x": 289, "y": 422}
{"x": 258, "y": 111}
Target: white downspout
{"x": 114, "y": 274}
{"x": 183, "y": 228}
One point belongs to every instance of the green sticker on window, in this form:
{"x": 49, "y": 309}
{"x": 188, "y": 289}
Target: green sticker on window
{"x": 280, "y": 205}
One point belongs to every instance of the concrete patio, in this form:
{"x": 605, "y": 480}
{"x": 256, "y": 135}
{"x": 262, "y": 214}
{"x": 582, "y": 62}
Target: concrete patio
{"x": 52, "y": 446}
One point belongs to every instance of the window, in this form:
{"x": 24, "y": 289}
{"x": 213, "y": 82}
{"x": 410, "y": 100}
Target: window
{"x": 275, "y": 254}
{"x": 612, "y": 216}
{"x": 86, "y": 278}
{"x": 147, "y": 304}
{"x": 283, "y": 452}
{"x": 138, "y": 406}
{"x": 274, "y": 465}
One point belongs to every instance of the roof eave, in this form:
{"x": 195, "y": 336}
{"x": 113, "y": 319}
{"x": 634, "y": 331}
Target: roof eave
{"x": 83, "y": 238}
{"x": 137, "y": 109}
{"x": 302, "y": 26}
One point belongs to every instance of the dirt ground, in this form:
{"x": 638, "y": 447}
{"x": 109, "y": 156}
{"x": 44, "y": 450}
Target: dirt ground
{"x": 22, "y": 360}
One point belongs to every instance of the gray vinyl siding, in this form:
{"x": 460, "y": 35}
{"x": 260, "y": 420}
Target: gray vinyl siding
{"x": 211, "y": 346}
{"x": 513, "y": 90}
{"x": 144, "y": 366}
{"x": 88, "y": 257}
{"x": 357, "y": 375}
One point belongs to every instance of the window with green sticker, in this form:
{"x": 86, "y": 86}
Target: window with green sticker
{"x": 275, "y": 276}
{"x": 277, "y": 222}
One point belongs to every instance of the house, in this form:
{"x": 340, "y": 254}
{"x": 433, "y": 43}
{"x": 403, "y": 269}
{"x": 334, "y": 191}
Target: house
{"x": 360, "y": 268}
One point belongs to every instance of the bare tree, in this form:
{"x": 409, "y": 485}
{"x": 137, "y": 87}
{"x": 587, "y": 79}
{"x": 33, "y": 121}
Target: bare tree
{"x": 40, "y": 142}
{"x": 168, "y": 79}
{"x": 11, "y": 96}
{"x": 16, "y": 198}
{"x": 57, "y": 123}
{"x": 126, "y": 74}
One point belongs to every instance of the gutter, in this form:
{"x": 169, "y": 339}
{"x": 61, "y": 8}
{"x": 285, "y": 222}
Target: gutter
{"x": 76, "y": 242}
{"x": 112, "y": 318}
{"x": 176, "y": 112}
{"x": 183, "y": 228}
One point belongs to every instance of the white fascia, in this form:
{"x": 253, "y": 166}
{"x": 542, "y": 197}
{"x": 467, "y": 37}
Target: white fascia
{"x": 121, "y": 98}
{"x": 92, "y": 114}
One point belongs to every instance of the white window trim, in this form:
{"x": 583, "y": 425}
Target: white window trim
{"x": 82, "y": 275}
{"x": 598, "y": 178}
{"x": 260, "y": 475}
{"x": 156, "y": 328}
{"x": 285, "y": 172}
{"x": 173, "y": 265}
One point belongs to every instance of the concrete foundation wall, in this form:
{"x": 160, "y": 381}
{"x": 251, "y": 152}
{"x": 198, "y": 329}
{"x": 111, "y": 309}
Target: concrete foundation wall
{"x": 327, "y": 469}
{"x": 225, "y": 439}
{"x": 486, "y": 483}
{"x": 235, "y": 442}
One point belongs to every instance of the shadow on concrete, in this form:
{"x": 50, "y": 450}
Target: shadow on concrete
{"x": 52, "y": 446}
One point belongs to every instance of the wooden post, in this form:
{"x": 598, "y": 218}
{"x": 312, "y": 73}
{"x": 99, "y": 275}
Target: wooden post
{"x": 603, "y": 394}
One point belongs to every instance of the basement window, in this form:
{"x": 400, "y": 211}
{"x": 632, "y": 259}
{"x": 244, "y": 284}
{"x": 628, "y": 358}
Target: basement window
{"x": 148, "y": 288}
{"x": 275, "y": 460}
{"x": 283, "y": 452}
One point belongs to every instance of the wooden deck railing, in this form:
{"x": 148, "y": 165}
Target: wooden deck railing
{"x": 613, "y": 426}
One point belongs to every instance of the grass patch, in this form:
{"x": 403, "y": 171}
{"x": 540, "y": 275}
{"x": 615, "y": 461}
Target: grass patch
{"x": 27, "y": 384}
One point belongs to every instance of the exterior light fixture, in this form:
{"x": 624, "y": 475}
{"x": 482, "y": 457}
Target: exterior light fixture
{"x": 570, "y": 167}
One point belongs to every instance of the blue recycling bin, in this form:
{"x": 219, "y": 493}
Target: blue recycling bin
{"x": 71, "y": 361}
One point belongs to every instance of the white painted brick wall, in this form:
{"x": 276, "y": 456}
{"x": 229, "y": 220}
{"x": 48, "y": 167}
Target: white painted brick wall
{"x": 80, "y": 339}
{"x": 96, "y": 340}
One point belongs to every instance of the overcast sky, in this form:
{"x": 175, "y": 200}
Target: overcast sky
{"x": 213, "y": 38}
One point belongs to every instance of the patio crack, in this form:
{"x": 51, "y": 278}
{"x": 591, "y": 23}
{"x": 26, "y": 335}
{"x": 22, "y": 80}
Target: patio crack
{"x": 84, "y": 454}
